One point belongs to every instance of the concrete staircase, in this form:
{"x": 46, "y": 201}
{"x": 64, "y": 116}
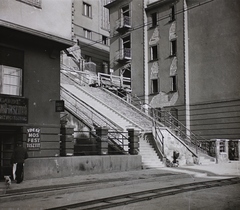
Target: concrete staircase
{"x": 150, "y": 158}
{"x": 96, "y": 105}
{"x": 118, "y": 113}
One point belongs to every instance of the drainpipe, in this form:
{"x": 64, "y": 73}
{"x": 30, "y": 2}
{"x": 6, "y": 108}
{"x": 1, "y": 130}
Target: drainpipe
{"x": 186, "y": 67}
{"x": 145, "y": 57}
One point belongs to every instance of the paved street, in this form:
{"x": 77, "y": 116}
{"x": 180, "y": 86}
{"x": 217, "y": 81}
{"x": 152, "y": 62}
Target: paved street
{"x": 44, "y": 193}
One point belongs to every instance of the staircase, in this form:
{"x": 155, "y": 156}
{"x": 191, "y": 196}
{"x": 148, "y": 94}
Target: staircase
{"x": 150, "y": 158}
{"x": 101, "y": 106}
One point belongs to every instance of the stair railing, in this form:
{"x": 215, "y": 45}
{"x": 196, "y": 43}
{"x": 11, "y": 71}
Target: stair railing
{"x": 166, "y": 118}
{"x": 91, "y": 116}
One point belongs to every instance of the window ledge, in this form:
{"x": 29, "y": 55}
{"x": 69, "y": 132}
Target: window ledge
{"x": 153, "y": 60}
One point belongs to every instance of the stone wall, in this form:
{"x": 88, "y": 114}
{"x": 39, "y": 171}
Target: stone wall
{"x": 55, "y": 167}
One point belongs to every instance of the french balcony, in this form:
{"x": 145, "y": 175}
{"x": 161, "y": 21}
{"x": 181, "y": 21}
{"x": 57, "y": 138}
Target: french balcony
{"x": 123, "y": 54}
{"x": 124, "y": 23}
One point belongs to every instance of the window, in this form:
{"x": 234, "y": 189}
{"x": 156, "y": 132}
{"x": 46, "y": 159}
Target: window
{"x": 172, "y": 15}
{"x": 154, "y": 19}
{"x": 10, "y": 80}
{"x": 87, "y": 33}
{"x": 153, "y": 53}
{"x": 125, "y": 15}
{"x": 174, "y": 83}
{"x": 87, "y": 10}
{"x": 154, "y": 85}
{"x": 36, "y": 3}
{"x": 173, "y": 50}
{"x": 104, "y": 40}
{"x": 126, "y": 46}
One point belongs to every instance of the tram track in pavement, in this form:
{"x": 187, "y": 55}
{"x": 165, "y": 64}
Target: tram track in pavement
{"x": 31, "y": 192}
{"x": 128, "y": 198}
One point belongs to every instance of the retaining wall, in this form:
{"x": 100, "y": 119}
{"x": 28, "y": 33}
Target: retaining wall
{"x": 55, "y": 167}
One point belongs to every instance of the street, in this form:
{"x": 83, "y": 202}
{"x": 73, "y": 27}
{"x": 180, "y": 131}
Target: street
{"x": 182, "y": 191}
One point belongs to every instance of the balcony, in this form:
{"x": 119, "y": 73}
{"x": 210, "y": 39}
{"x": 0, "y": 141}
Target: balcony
{"x": 123, "y": 54}
{"x": 124, "y": 23}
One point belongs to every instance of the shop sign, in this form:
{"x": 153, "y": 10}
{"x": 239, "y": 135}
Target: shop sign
{"x": 33, "y": 138}
{"x": 59, "y": 106}
{"x": 13, "y": 109}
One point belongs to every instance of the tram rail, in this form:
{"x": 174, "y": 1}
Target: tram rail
{"x": 128, "y": 198}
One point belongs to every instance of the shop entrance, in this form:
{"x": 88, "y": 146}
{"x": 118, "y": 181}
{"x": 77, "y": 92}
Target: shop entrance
{"x": 9, "y": 135}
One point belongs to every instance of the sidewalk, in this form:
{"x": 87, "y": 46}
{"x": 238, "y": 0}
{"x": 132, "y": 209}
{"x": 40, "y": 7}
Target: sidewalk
{"x": 230, "y": 169}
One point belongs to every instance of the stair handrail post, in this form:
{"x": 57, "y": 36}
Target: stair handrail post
{"x": 102, "y": 142}
{"x": 99, "y": 80}
{"x": 133, "y": 139}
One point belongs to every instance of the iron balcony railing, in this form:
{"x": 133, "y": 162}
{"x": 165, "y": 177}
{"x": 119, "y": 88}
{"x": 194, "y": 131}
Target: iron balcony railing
{"x": 123, "y": 22}
{"x": 123, "y": 54}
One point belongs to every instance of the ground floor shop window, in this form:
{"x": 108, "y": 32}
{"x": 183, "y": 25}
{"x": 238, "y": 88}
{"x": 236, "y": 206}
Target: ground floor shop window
{"x": 10, "y": 80}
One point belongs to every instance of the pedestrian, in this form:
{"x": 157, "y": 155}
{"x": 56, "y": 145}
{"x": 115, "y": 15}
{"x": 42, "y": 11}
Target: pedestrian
{"x": 18, "y": 158}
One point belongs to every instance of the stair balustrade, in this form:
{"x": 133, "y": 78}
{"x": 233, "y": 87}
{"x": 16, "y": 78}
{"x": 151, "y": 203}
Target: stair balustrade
{"x": 92, "y": 118}
{"x": 167, "y": 119}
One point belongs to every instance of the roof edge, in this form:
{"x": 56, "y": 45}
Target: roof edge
{"x": 36, "y": 33}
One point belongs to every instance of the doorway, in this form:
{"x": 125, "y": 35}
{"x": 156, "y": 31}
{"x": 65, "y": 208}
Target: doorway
{"x": 9, "y": 135}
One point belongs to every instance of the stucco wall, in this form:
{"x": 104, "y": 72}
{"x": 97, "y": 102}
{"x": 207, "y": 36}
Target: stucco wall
{"x": 53, "y": 17}
{"x": 74, "y": 166}
{"x": 214, "y": 48}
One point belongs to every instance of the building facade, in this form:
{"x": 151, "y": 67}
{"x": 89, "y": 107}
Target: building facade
{"x": 32, "y": 35}
{"x": 184, "y": 58}
{"x": 91, "y": 32}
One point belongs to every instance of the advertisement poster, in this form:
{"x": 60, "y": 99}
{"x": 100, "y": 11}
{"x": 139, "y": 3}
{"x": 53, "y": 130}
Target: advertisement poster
{"x": 33, "y": 139}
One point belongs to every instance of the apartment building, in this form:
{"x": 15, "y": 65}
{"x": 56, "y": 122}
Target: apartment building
{"x": 33, "y": 32}
{"x": 91, "y": 33}
{"x": 182, "y": 56}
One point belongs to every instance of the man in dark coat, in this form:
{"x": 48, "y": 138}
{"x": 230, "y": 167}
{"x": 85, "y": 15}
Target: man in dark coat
{"x": 18, "y": 157}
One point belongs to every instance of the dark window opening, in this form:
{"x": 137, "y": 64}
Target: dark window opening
{"x": 154, "y": 53}
{"x": 173, "y": 48}
{"x": 154, "y": 19}
{"x": 104, "y": 40}
{"x": 172, "y": 16}
{"x": 154, "y": 85}
{"x": 174, "y": 83}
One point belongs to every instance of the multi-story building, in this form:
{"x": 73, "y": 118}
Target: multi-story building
{"x": 181, "y": 56}
{"x": 33, "y": 32}
{"x": 91, "y": 32}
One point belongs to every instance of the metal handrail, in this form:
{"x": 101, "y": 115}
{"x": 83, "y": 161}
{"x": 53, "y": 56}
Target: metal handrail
{"x": 166, "y": 118}
{"x": 112, "y": 126}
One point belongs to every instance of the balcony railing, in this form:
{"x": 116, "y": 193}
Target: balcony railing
{"x": 123, "y": 23}
{"x": 123, "y": 54}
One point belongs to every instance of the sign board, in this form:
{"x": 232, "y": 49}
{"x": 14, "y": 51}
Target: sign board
{"x": 13, "y": 109}
{"x": 59, "y": 106}
{"x": 33, "y": 138}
